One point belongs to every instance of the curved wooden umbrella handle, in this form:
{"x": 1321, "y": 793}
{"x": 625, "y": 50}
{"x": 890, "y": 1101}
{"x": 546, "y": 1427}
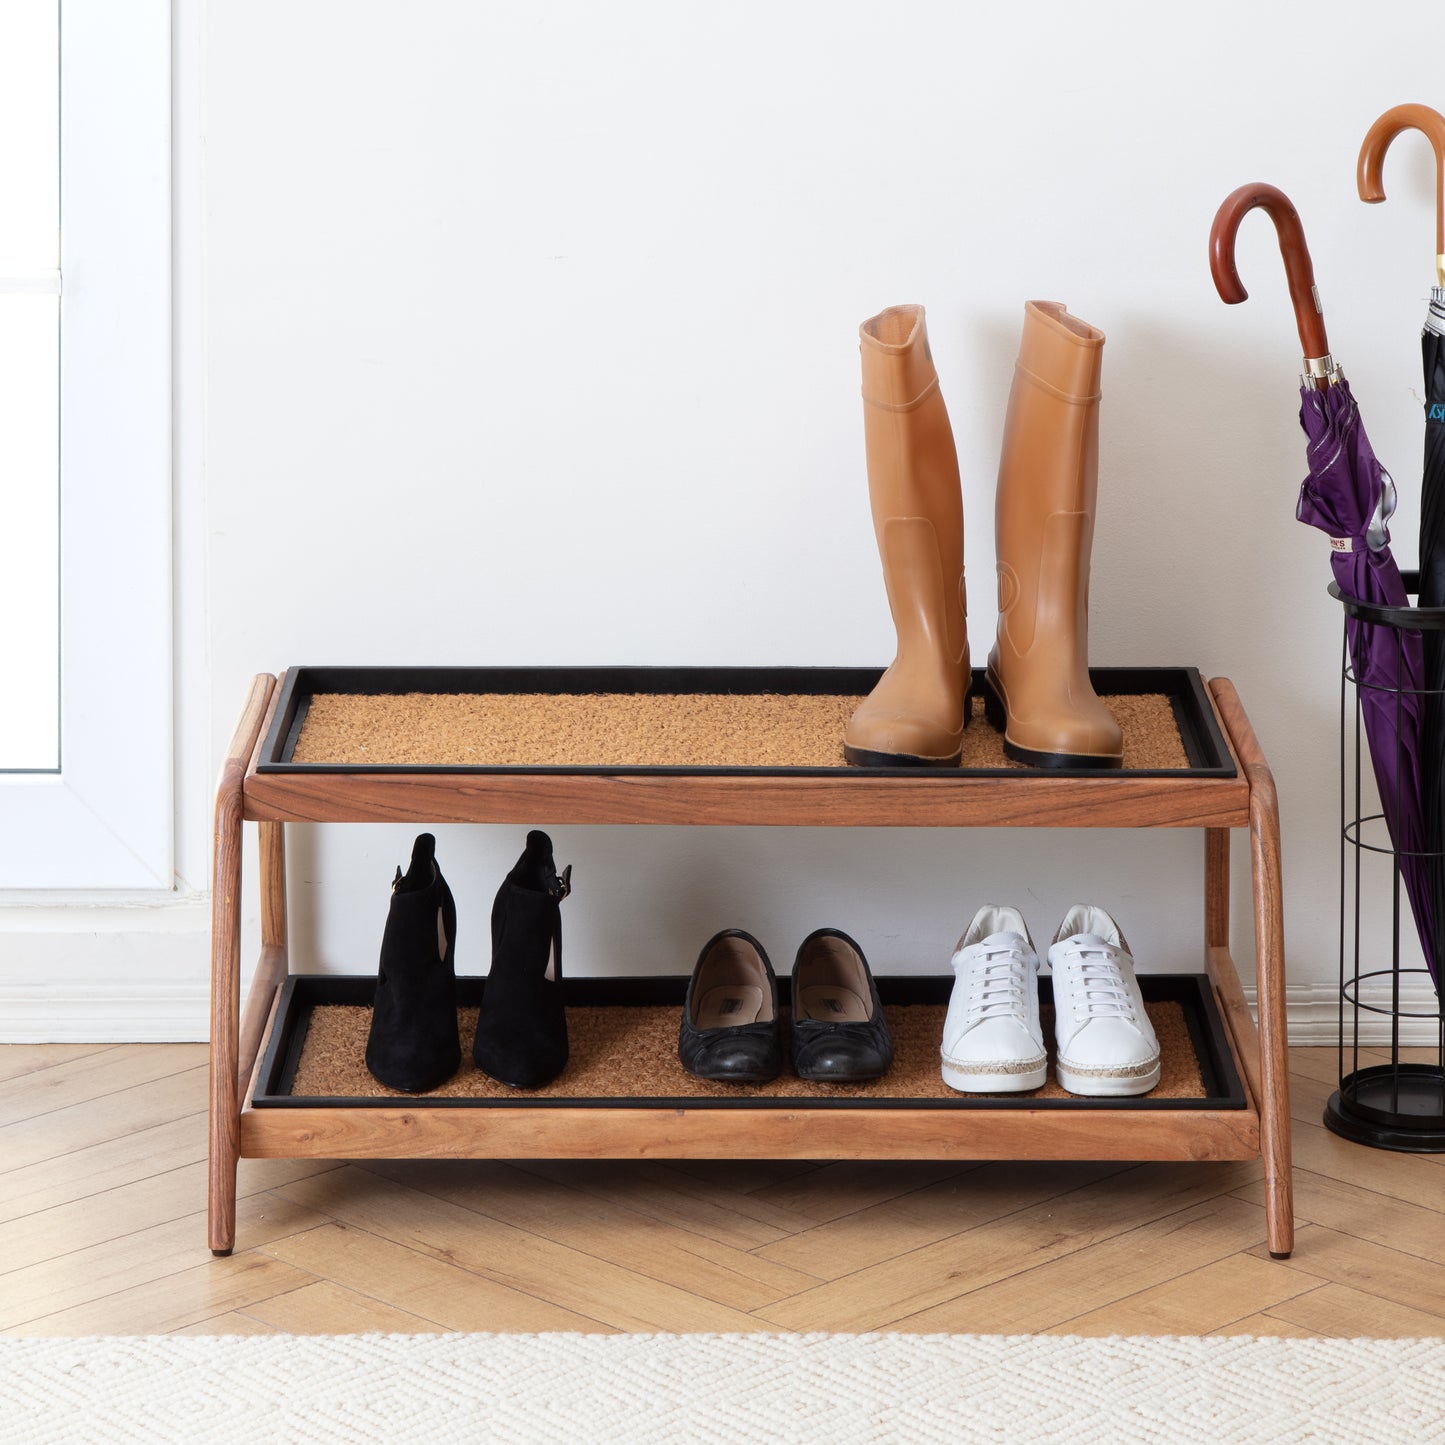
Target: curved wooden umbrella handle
{"x": 1369, "y": 173}
{"x": 1298, "y": 268}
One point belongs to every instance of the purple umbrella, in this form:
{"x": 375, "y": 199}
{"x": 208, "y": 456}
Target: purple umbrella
{"x": 1350, "y": 497}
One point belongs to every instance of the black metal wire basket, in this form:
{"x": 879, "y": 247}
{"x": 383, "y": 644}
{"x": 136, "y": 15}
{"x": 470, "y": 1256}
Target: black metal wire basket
{"x": 1391, "y": 1092}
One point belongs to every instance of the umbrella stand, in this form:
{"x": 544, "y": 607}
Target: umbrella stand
{"x": 1397, "y": 1104}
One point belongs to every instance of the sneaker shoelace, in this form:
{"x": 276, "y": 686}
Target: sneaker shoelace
{"x": 1102, "y": 993}
{"x": 997, "y": 984}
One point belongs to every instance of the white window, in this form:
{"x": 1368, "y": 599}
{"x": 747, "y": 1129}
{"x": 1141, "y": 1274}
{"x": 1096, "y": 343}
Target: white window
{"x": 85, "y": 397}
{"x": 30, "y": 384}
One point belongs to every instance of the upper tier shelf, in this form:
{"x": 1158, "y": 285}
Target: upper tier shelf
{"x": 1211, "y": 790}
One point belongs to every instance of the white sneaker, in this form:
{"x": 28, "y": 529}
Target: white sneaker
{"x": 992, "y": 1040}
{"x": 1106, "y": 1044}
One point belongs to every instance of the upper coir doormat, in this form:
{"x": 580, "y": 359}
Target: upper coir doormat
{"x": 676, "y": 719}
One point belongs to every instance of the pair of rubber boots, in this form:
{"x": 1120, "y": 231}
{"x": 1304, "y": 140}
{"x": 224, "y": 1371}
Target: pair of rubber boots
{"x": 521, "y": 1037}
{"x": 1036, "y": 688}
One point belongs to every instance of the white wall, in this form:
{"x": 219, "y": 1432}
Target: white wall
{"x": 527, "y": 334}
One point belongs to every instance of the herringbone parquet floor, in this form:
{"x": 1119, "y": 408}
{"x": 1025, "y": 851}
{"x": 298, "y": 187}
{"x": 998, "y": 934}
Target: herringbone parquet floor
{"x": 102, "y": 1194}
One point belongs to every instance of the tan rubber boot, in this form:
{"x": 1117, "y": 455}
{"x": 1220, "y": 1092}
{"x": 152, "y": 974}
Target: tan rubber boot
{"x": 1037, "y": 687}
{"x": 915, "y": 716}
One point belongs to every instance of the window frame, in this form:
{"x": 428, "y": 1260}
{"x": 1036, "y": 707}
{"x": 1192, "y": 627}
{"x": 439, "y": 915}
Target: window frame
{"x": 106, "y": 820}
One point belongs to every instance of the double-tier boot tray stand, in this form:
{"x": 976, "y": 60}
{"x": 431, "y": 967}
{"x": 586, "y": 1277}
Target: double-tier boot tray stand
{"x": 802, "y": 1128}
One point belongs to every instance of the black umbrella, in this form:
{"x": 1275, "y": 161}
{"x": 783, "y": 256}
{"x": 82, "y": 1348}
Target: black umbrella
{"x": 1432, "y": 485}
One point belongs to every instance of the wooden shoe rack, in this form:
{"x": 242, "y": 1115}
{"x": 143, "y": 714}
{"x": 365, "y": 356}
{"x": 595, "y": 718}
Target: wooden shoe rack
{"x": 1214, "y": 800}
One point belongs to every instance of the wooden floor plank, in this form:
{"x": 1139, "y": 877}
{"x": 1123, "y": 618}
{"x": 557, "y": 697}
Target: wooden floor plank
{"x": 185, "y": 1298}
{"x": 1365, "y": 1213}
{"x": 420, "y": 1284}
{"x": 1265, "y": 1326}
{"x": 82, "y": 1173}
{"x": 1196, "y": 1302}
{"x": 849, "y": 1185}
{"x": 234, "y": 1323}
{"x": 82, "y": 1125}
{"x": 1373, "y": 1269}
{"x": 17, "y": 1060}
{"x": 324, "y": 1308}
{"x": 625, "y": 1236}
{"x": 906, "y": 1222}
{"x": 1408, "y": 1177}
{"x": 1319, "y": 1065}
{"x": 944, "y": 1210}
{"x": 631, "y": 1186}
{"x": 749, "y": 1175}
{"x": 92, "y": 1077}
{"x": 922, "y": 1279}
{"x": 514, "y": 1257}
{"x": 1344, "y": 1313}
{"x": 726, "y": 1184}
{"x": 84, "y": 1275}
{"x": 128, "y": 1209}
{"x": 1049, "y": 1295}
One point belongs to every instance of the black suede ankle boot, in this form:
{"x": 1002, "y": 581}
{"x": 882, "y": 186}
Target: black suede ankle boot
{"x": 522, "y": 1027}
{"x": 414, "y": 1045}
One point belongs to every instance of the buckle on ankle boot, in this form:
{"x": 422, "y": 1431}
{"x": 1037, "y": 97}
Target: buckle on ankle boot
{"x": 564, "y": 884}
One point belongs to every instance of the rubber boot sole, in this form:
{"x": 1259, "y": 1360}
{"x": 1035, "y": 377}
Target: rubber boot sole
{"x": 996, "y": 713}
{"x": 867, "y": 758}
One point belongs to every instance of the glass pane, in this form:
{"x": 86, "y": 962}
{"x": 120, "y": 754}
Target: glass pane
{"x": 29, "y": 135}
{"x": 30, "y": 531}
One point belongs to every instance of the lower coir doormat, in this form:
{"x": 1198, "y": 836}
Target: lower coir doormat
{"x": 622, "y": 1034}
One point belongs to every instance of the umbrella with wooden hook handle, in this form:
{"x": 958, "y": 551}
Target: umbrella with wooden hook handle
{"x": 1369, "y": 173}
{"x": 1320, "y": 367}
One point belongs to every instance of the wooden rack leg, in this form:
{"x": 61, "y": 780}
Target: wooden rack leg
{"x": 225, "y": 1109}
{"x": 1270, "y": 977}
{"x": 274, "y": 964}
{"x": 1273, "y": 1030}
{"x": 1216, "y": 888}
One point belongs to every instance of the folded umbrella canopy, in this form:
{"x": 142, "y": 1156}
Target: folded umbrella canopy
{"x": 1370, "y": 181}
{"x": 1350, "y": 497}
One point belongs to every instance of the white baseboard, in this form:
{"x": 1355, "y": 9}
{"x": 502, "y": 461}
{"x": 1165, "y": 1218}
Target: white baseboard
{"x": 1313, "y": 1011}
{"x": 109, "y": 1013}
{"x": 106, "y": 974}
{"x": 169, "y": 1000}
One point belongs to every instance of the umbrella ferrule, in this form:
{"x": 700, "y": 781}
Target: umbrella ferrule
{"x": 1322, "y": 369}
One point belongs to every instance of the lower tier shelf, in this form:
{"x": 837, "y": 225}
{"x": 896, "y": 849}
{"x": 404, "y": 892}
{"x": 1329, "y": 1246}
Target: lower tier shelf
{"x": 623, "y": 1036}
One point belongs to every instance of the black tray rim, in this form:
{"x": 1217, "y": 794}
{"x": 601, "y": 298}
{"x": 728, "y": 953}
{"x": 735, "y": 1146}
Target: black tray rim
{"x": 1199, "y": 730}
{"x": 301, "y": 992}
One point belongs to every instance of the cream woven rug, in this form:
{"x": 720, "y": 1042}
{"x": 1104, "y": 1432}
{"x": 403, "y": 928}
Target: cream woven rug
{"x": 719, "y": 1389}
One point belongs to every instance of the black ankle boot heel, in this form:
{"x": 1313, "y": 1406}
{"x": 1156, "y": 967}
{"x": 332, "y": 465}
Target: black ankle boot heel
{"x": 413, "y": 1045}
{"x": 522, "y": 1027}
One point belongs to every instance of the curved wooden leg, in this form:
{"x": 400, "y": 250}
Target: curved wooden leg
{"x": 225, "y": 1108}
{"x": 1269, "y": 956}
{"x": 1273, "y": 1031}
